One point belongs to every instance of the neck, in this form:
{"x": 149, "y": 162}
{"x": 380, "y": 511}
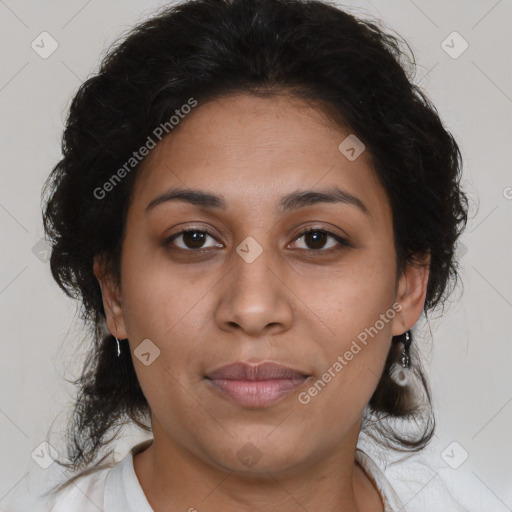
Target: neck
{"x": 174, "y": 478}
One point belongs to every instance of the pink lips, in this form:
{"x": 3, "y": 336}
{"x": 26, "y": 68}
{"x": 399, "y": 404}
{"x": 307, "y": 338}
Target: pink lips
{"x": 257, "y": 385}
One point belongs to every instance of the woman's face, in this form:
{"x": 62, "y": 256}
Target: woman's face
{"x": 248, "y": 286}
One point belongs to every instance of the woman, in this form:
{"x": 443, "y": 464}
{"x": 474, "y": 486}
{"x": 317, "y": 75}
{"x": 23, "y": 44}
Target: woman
{"x": 254, "y": 206}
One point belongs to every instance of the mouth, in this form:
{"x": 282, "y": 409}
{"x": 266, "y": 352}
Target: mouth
{"x": 255, "y": 385}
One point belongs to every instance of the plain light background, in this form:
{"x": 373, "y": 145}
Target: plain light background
{"x": 469, "y": 350}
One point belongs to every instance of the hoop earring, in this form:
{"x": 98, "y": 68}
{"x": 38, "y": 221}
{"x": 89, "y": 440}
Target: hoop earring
{"x": 401, "y": 373}
{"x": 118, "y": 347}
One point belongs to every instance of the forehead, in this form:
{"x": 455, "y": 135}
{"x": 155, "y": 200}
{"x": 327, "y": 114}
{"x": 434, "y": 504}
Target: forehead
{"x": 253, "y": 151}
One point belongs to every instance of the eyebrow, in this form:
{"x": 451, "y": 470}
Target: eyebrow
{"x": 289, "y": 202}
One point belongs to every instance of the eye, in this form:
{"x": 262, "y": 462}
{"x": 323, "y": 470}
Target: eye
{"x": 318, "y": 237}
{"x": 193, "y": 239}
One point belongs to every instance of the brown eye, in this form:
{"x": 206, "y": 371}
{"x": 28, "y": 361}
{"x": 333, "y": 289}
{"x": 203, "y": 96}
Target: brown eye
{"x": 192, "y": 239}
{"x": 316, "y": 239}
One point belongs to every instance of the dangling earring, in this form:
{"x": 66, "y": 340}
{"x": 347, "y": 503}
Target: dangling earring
{"x": 118, "y": 347}
{"x": 401, "y": 373}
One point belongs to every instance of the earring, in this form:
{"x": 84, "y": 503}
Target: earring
{"x": 401, "y": 373}
{"x": 118, "y": 347}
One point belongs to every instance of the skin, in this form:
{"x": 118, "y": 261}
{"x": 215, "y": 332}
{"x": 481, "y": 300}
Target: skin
{"x": 288, "y": 306}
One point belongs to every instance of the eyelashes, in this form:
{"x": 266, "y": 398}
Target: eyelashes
{"x": 186, "y": 232}
{"x": 339, "y": 241}
{"x": 319, "y": 235}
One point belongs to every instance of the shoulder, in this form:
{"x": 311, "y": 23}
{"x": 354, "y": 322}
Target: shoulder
{"x": 111, "y": 487}
{"x": 409, "y": 482}
{"x": 85, "y": 494}
{"x": 39, "y": 493}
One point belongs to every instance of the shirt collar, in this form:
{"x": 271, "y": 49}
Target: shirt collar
{"x": 389, "y": 497}
{"x": 123, "y": 491}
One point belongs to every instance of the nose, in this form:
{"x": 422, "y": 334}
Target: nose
{"x": 255, "y": 298}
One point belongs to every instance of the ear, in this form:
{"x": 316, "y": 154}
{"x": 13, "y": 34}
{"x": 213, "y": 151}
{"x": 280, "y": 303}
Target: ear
{"x": 111, "y": 299}
{"x": 411, "y": 294}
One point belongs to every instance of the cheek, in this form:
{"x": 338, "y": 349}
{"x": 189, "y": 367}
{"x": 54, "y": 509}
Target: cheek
{"x": 169, "y": 308}
{"x": 357, "y": 306}
{"x": 347, "y": 381}
{"x": 156, "y": 294}
{"x": 351, "y": 297}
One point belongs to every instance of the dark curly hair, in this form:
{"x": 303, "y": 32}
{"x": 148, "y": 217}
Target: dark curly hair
{"x": 352, "y": 69}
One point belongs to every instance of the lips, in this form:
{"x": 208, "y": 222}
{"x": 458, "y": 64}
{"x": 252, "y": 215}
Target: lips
{"x": 258, "y": 372}
{"x": 255, "y": 385}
